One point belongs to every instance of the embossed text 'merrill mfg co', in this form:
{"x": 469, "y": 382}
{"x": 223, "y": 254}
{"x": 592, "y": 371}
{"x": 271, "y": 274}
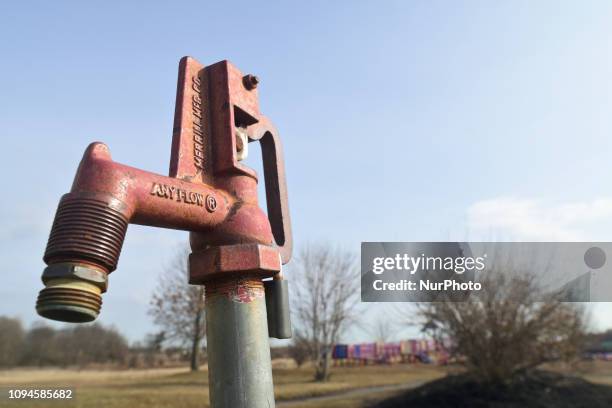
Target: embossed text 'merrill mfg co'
{"x": 198, "y": 123}
{"x": 178, "y": 194}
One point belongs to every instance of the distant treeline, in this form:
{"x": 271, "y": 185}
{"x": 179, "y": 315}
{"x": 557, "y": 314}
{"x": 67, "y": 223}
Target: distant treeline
{"x": 41, "y": 345}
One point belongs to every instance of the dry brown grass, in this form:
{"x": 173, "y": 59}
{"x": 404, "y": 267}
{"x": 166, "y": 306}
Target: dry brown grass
{"x": 27, "y": 376}
{"x": 180, "y": 388}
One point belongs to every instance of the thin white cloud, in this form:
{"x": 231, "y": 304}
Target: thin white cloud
{"x": 526, "y": 219}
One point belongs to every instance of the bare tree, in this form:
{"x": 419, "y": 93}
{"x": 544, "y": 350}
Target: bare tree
{"x": 509, "y": 326}
{"x": 178, "y": 307}
{"x": 326, "y": 293}
{"x": 383, "y": 330}
{"x": 40, "y": 346}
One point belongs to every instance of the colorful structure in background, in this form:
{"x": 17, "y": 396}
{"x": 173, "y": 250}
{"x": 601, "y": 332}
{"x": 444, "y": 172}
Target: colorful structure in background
{"x": 426, "y": 351}
{"x": 599, "y": 347}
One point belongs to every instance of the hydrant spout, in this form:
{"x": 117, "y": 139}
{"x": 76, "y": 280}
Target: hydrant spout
{"x": 151, "y": 199}
{"x": 91, "y": 222}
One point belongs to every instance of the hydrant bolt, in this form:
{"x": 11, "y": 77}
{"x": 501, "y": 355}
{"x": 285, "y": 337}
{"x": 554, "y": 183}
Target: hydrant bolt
{"x": 250, "y": 81}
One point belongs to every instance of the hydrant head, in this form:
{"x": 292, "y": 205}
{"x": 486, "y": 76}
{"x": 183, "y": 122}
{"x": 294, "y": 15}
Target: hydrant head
{"x": 208, "y": 193}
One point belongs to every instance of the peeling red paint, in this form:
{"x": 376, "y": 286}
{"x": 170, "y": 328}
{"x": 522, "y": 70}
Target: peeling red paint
{"x": 245, "y": 294}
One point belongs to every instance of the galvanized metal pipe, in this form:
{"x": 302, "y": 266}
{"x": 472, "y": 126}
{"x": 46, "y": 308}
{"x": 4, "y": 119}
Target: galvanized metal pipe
{"x": 239, "y": 364}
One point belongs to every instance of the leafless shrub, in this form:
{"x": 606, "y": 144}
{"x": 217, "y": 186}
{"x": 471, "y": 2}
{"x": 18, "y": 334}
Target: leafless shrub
{"x": 508, "y": 327}
{"x": 76, "y": 345}
{"x": 93, "y": 343}
{"x": 11, "y": 339}
{"x": 299, "y": 349}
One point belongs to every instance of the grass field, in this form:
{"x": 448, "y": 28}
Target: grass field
{"x": 180, "y": 388}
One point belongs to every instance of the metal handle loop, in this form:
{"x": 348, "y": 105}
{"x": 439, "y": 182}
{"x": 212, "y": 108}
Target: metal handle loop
{"x": 276, "y": 186}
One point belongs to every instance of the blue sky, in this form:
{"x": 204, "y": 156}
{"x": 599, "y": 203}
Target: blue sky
{"x": 405, "y": 120}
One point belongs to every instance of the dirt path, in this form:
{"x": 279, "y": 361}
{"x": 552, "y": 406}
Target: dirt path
{"x": 357, "y": 392}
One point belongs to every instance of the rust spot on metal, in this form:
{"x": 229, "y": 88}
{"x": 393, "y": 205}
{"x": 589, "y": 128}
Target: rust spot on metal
{"x": 244, "y": 290}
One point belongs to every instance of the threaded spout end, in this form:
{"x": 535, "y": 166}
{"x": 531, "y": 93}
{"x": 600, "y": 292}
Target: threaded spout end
{"x": 87, "y": 229}
{"x": 69, "y": 300}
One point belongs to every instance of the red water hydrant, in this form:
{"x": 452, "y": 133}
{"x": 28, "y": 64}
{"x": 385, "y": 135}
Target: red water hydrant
{"x": 209, "y": 193}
